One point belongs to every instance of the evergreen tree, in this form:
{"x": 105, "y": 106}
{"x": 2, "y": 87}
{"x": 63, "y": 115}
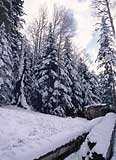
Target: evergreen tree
{"x": 89, "y": 84}
{"x": 5, "y": 68}
{"x": 71, "y": 67}
{"x": 10, "y": 43}
{"x": 105, "y": 93}
{"x": 107, "y": 60}
{"x": 52, "y": 90}
{"x": 11, "y": 12}
{"x": 15, "y": 36}
{"x": 28, "y": 76}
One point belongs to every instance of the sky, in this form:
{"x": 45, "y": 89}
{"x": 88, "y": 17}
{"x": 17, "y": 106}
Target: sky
{"x": 85, "y": 37}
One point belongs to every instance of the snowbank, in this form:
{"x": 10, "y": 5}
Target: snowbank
{"x": 98, "y": 140}
{"x": 28, "y": 135}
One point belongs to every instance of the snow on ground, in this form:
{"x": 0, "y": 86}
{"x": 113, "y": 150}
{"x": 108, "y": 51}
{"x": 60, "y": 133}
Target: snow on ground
{"x": 114, "y": 149}
{"x": 97, "y": 135}
{"x": 27, "y": 135}
{"x": 101, "y": 135}
{"x": 73, "y": 156}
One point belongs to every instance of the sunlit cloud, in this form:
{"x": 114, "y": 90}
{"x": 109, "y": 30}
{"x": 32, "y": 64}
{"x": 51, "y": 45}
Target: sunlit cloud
{"x": 81, "y": 11}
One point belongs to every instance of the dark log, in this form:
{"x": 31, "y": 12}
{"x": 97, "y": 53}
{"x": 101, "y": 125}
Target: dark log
{"x": 65, "y": 150}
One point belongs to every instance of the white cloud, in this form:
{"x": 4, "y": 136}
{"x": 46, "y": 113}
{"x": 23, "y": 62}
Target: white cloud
{"x": 82, "y": 12}
{"x": 82, "y": 15}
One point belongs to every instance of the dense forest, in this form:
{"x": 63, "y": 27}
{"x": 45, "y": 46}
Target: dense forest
{"x": 44, "y": 70}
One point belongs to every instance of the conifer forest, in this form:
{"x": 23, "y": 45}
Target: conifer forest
{"x": 51, "y": 87}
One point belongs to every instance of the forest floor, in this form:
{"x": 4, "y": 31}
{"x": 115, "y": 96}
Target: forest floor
{"x": 27, "y": 134}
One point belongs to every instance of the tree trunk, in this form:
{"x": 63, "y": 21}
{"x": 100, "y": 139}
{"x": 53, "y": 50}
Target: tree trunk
{"x": 110, "y": 17}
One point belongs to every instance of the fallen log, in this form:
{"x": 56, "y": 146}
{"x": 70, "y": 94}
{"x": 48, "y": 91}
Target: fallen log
{"x": 111, "y": 146}
{"x": 65, "y": 150}
{"x": 99, "y": 142}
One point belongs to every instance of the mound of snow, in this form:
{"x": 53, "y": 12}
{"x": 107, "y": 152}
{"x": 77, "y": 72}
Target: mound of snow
{"x": 100, "y": 135}
{"x": 27, "y": 135}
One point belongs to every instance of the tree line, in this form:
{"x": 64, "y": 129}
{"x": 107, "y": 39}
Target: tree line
{"x": 45, "y": 71}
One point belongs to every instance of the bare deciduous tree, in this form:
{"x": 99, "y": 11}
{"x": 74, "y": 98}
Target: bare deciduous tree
{"x": 103, "y": 8}
{"x": 37, "y": 32}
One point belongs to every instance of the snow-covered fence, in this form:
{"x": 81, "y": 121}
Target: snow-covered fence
{"x": 64, "y": 150}
{"x": 98, "y": 143}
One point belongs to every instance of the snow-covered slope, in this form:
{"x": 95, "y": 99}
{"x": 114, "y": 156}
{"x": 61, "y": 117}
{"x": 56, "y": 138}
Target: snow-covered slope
{"x": 26, "y": 135}
{"x": 100, "y": 135}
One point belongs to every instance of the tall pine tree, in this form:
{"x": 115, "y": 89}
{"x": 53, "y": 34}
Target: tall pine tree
{"x": 10, "y": 43}
{"x": 52, "y": 89}
{"x": 71, "y": 67}
{"x": 107, "y": 60}
{"x": 89, "y": 85}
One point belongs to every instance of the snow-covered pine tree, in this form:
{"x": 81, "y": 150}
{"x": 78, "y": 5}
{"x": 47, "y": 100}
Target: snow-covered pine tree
{"x": 70, "y": 66}
{"x": 16, "y": 14}
{"x": 52, "y": 90}
{"x": 28, "y": 75}
{"x": 103, "y": 84}
{"x": 11, "y": 11}
{"x": 5, "y": 68}
{"x": 107, "y": 60}
{"x": 89, "y": 84}
{"x": 5, "y": 54}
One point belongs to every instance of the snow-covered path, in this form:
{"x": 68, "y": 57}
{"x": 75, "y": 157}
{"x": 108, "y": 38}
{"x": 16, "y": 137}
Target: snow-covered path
{"x": 27, "y": 135}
